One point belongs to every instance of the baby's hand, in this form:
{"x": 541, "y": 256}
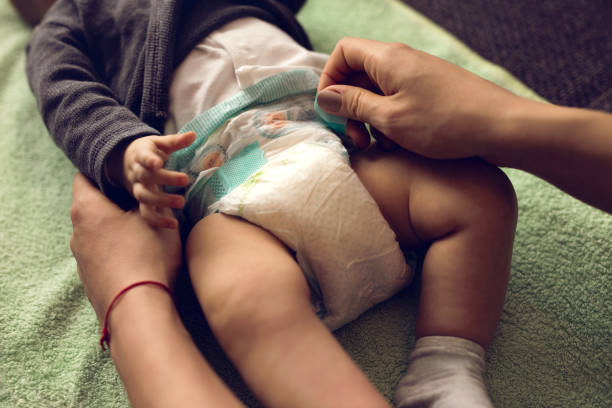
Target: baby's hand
{"x": 144, "y": 176}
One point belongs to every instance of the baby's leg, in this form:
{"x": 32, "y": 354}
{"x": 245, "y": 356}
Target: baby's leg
{"x": 257, "y": 302}
{"x": 466, "y": 211}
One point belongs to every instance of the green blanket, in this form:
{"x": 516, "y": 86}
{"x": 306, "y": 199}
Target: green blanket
{"x": 552, "y": 347}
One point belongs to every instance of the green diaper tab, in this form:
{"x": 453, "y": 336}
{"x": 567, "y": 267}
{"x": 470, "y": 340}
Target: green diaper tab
{"x": 268, "y": 90}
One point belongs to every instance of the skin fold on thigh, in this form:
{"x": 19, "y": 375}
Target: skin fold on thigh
{"x": 419, "y": 197}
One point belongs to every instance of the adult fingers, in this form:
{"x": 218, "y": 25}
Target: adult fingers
{"x": 358, "y": 133}
{"x": 154, "y": 198}
{"x": 87, "y": 198}
{"x": 82, "y": 187}
{"x": 350, "y": 56}
{"x": 354, "y": 103}
{"x": 384, "y": 142}
{"x": 155, "y": 218}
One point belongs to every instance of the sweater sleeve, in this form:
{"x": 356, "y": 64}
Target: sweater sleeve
{"x": 80, "y": 111}
{"x": 293, "y": 5}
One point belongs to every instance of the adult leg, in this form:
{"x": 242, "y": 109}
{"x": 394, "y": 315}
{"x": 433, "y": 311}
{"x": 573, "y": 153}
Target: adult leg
{"x": 257, "y": 302}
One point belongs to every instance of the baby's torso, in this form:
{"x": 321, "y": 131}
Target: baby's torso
{"x": 248, "y": 92}
{"x": 230, "y": 59}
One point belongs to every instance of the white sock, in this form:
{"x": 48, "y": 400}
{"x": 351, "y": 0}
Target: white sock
{"x": 444, "y": 372}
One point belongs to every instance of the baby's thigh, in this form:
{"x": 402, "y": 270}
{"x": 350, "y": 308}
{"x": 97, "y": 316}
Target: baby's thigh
{"x": 242, "y": 275}
{"x": 425, "y": 199}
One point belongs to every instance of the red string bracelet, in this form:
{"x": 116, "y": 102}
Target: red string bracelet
{"x": 105, "y": 337}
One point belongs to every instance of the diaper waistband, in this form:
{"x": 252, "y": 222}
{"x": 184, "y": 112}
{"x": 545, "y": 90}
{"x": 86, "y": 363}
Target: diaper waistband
{"x": 268, "y": 90}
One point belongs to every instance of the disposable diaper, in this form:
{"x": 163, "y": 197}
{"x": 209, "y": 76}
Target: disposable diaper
{"x": 310, "y": 198}
{"x": 266, "y": 158}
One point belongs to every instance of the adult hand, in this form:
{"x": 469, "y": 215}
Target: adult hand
{"x": 114, "y": 248}
{"x": 421, "y": 102}
{"x": 439, "y": 110}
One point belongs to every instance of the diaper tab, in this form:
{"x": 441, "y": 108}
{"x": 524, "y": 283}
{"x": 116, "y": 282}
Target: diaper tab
{"x": 334, "y": 122}
{"x": 268, "y": 90}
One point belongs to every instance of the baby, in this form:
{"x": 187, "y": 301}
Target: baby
{"x": 287, "y": 236}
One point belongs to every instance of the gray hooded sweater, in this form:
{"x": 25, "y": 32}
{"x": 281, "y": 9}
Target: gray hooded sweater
{"x": 101, "y": 69}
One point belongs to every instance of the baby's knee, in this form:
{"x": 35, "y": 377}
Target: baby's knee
{"x": 244, "y": 314}
{"x": 459, "y": 195}
{"x": 230, "y": 309}
{"x": 245, "y": 294}
{"x": 487, "y": 197}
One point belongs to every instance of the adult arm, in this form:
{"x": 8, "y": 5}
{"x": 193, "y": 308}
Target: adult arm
{"x": 568, "y": 147}
{"x": 32, "y": 11}
{"x": 82, "y": 113}
{"x": 439, "y": 110}
{"x": 154, "y": 354}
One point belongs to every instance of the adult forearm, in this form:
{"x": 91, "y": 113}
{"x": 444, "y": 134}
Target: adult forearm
{"x": 156, "y": 358}
{"x": 439, "y": 110}
{"x": 570, "y": 148}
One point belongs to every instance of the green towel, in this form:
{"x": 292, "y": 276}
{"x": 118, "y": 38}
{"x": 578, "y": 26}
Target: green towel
{"x": 553, "y": 342}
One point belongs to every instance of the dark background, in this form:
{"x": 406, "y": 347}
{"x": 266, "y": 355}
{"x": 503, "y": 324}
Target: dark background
{"x": 562, "y": 49}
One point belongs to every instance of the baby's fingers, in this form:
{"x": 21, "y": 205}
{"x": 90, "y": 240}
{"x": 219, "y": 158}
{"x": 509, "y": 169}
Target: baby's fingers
{"x": 155, "y": 218}
{"x": 155, "y": 198}
{"x": 151, "y": 160}
{"x": 165, "y": 177}
{"x": 160, "y": 176}
{"x": 172, "y": 143}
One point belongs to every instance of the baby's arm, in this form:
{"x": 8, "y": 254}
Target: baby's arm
{"x": 82, "y": 113}
{"x": 143, "y": 175}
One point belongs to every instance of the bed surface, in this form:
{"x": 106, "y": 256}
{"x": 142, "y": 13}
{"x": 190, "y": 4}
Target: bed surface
{"x": 553, "y": 343}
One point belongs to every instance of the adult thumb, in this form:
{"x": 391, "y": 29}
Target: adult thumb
{"x": 351, "y": 102}
{"x": 87, "y": 201}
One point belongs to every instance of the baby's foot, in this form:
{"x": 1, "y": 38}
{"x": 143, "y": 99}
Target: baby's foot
{"x": 444, "y": 372}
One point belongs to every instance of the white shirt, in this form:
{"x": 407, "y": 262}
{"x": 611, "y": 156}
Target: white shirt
{"x": 232, "y": 58}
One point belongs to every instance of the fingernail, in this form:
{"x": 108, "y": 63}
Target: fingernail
{"x": 329, "y": 101}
